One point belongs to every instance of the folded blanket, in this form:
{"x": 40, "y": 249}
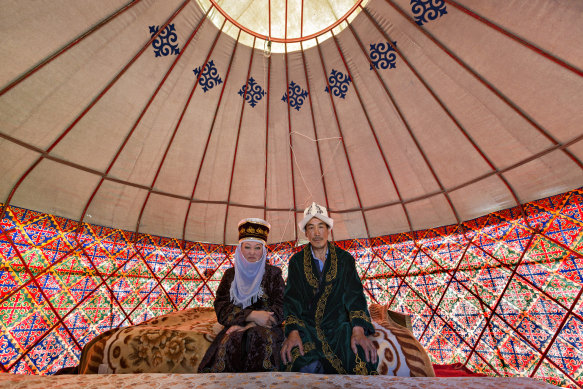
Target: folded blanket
{"x": 173, "y": 343}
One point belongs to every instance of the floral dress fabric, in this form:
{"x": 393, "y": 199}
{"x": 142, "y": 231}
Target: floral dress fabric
{"x": 257, "y": 348}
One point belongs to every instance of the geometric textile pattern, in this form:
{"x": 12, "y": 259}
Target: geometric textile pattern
{"x": 500, "y": 294}
{"x": 296, "y": 95}
{"x": 209, "y": 77}
{"x": 252, "y": 91}
{"x": 427, "y": 10}
{"x": 165, "y": 43}
{"x": 338, "y": 83}
{"x": 382, "y": 55}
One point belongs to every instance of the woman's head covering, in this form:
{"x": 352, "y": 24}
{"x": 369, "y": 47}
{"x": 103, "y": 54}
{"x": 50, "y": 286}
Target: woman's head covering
{"x": 246, "y": 287}
{"x": 253, "y": 229}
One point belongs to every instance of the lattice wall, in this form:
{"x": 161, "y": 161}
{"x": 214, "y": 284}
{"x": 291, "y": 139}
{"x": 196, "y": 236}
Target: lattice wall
{"x": 501, "y": 293}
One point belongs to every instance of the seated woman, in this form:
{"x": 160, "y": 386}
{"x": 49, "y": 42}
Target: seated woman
{"x": 249, "y": 304}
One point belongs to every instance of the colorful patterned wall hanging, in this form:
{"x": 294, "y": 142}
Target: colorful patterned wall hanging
{"x": 500, "y": 293}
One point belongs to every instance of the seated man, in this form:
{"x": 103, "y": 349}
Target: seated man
{"x": 326, "y": 315}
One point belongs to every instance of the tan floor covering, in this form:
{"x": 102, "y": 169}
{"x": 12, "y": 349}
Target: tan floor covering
{"x": 258, "y": 380}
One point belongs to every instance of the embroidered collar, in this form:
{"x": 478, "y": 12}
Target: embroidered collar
{"x": 309, "y": 272}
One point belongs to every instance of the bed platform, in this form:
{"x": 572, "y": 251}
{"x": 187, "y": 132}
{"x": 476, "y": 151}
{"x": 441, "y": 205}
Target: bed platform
{"x": 165, "y": 352}
{"x": 260, "y": 380}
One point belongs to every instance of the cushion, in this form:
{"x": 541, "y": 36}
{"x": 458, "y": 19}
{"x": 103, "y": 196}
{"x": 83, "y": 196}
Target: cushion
{"x": 400, "y": 354}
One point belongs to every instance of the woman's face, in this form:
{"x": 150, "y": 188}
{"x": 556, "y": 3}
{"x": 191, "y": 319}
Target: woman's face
{"x": 252, "y": 251}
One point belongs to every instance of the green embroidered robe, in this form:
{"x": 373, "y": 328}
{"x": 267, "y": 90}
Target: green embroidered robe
{"x": 324, "y": 309}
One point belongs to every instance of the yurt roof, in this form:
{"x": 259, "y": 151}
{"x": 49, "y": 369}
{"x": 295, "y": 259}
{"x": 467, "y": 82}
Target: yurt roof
{"x": 175, "y": 118}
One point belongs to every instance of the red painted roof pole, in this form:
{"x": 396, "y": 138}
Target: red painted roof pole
{"x": 267, "y": 134}
{"x": 168, "y": 146}
{"x": 204, "y": 158}
{"x": 45, "y": 153}
{"x": 359, "y": 41}
{"x": 285, "y": 40}
{"x": 371, "y": 127}
{"x": 516, "y": 38}
{"x": 87, "y": 109}
{"x": 289, "y": 126}
{"x": 410, "y": 131}
{"x": 315, "y": 132}
{"x": 139, "y": 119}
{"x": 484, "y": 82}
{"x": 331, "y": 95}
{"x": 246, "y": 89}
{"x": 69, "y": 45}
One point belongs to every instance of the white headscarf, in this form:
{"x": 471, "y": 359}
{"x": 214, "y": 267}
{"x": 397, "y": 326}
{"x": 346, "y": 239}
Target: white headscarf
{"x": 246, "y": 287}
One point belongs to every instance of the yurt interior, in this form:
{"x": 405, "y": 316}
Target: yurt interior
{"x": 443, "y": 137}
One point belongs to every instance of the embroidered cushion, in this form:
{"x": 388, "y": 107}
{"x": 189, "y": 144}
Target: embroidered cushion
{"x": 400, "y": 354}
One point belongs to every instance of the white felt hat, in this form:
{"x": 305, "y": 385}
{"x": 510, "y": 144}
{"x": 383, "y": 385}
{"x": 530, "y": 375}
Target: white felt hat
{"x": 315, "y": 210}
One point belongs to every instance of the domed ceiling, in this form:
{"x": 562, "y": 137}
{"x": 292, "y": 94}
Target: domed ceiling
{"x": 179, "y": 118}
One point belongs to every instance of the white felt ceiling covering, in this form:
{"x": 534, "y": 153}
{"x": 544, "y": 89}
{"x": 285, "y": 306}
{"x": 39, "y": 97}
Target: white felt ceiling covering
{"x": 475, "y": 114}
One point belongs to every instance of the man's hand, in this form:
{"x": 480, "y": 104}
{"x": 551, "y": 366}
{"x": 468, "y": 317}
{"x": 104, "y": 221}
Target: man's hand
{"x": 262, "y": 318}
{"x": 358, "y": 338}
{"x": 292, "y": 340}
{"x": 237, "y": 328}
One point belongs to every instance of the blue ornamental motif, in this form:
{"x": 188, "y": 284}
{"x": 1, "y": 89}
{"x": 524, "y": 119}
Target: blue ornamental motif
{"x": 339, "y": 83}
{"x": 209, "y": 77}
{"x": 427, "y": 10}
{"x": 296, "y": 96}
{"x": 383, "y": 56}
{"x": 254, "y": 92}
{"x": 165, "y": 43}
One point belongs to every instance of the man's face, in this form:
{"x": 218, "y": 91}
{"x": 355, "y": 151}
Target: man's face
{"x": 317, "y": 233}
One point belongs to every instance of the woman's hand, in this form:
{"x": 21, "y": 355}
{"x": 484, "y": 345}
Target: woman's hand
{"x": 237, "y": 328}
{"x": 262, "y": 318}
